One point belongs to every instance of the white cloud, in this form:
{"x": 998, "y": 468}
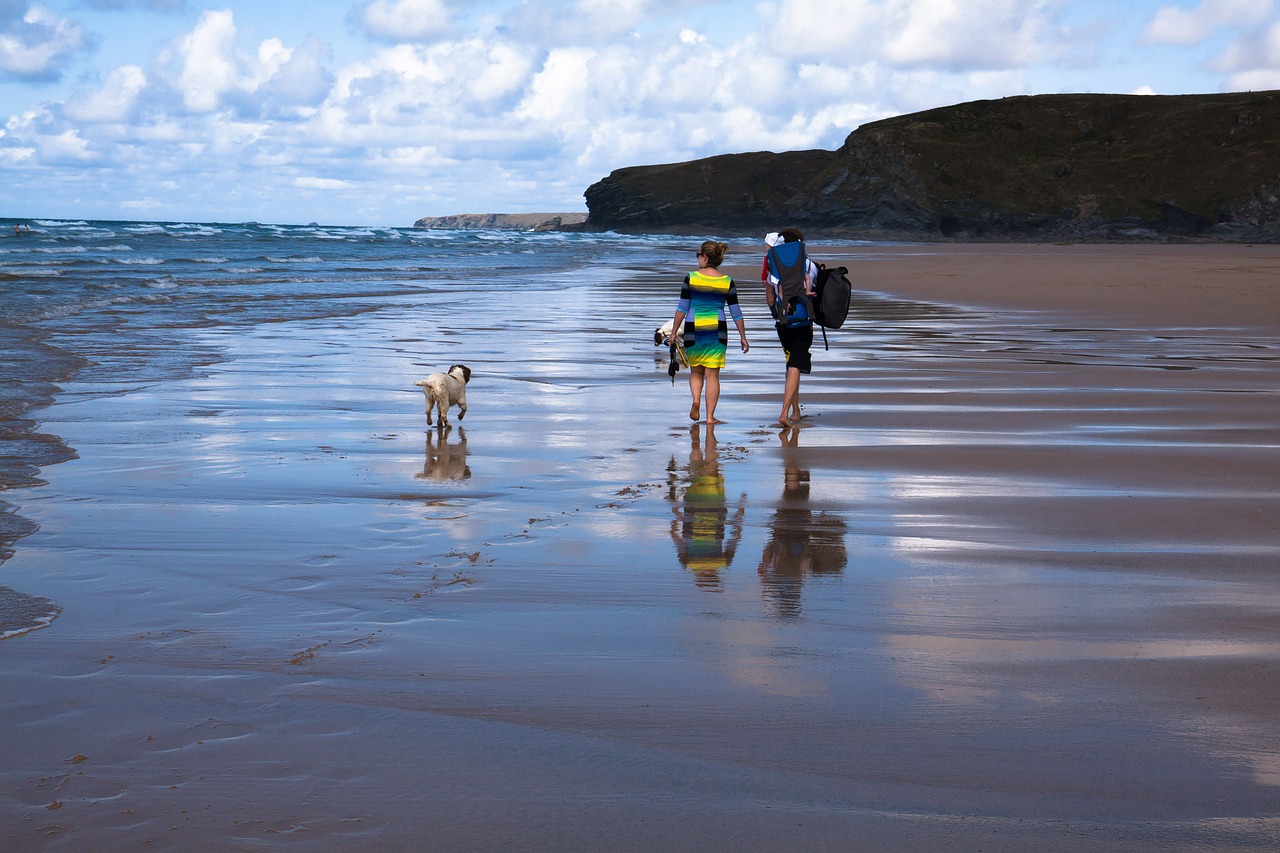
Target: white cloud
{"x": 310, "y": 183}
{"x": 1175, "y": 25}
{"x": 212, "y": 73}
{"x": 457, "y": 96}
{"x": 411, "y": 157}
{"x": 113, "y": 102}
{"x": 272, "y": 56}
{"x": 973, "y": 35}
{"x": 996, "y": 84}
{"x": 614, "y": 17}
{"x": 403, "y": 20}
{"x": 63, "y": 147}
{"x": 503, "y": 70}
{"x": 294, "y": 78}
{"x": 559, "y": 92}
{"x": 1256, "y": 51}
{"x": 1255, "y": 81}
{"x": 120, "y": 5}
{"x": 34, "y": 43}
{"x": 807, "y": 28}
{"x": 15, "y": 156}
{"x": 209, "y": 62}
{"x": 142, "y": 205}
{"x": 556, "y": 23}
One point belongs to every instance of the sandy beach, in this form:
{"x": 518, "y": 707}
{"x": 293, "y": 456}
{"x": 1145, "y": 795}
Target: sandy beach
{"x": 1015, "y": 585}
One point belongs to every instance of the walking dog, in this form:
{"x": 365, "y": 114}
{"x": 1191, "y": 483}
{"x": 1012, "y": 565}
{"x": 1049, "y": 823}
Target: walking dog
{"x": 443, "y": 390}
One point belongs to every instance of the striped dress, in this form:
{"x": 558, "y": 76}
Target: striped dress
{"x": 703, "y": 299}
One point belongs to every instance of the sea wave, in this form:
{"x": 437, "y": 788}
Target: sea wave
{"x": 16, "y": 272}
{"x": 59, "y": 250}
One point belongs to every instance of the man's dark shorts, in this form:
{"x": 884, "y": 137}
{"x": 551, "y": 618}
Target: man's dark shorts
{"x": 796, "y": 344}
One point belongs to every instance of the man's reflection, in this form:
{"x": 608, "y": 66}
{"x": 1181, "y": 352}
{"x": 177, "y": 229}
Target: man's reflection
{"x": 445, "y": 460}
{"x": 801, "y": 542}
{"x": 705, "y": 536}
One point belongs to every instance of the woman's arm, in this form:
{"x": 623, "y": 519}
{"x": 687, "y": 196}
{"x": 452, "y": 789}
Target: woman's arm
{"x": 735, "y": 311}
{"x": 682, "y": 310}
{"x": 677, "y": 326}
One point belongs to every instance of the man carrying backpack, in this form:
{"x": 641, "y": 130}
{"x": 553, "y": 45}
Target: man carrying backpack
{"x": 788, "y": 277}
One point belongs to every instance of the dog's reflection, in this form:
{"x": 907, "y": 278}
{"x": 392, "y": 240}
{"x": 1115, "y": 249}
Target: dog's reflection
{"x": 445, "y": 460}
{"x": 801, "y": 542}
{"x": 704, "y": 534}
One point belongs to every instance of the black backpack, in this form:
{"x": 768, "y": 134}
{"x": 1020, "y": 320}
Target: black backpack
{"x": 832, "y": 293}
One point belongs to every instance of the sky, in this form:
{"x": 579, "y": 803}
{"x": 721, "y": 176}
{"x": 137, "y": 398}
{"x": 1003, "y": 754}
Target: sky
{"x": 383, "y": 111}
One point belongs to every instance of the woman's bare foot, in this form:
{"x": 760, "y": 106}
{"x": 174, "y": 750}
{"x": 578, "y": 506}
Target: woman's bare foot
{"x": 714, "y": 420}
{"x": 695, "y": 411}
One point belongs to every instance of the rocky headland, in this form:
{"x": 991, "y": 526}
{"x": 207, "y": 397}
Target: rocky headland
{"x": 503, "y": 221}
{"x": 1063, "y": 167}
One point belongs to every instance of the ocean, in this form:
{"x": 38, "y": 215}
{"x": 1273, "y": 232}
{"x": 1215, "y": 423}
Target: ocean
{"x": 114, "y": 305}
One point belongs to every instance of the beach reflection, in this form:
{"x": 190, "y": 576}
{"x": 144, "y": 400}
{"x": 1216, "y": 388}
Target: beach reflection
{"x": 705, "y": 536}
{"x": 801, "y": 542}
{"x": 445, "y": 460}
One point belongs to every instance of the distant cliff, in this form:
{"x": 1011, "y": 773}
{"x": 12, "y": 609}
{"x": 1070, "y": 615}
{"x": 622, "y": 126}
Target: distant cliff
{"x": 503, "y": 221}
{"x": 1043, "y": 166}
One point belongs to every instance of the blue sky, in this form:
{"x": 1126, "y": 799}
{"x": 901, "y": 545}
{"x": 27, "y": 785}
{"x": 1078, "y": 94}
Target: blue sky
{"x": 382, "y": 111}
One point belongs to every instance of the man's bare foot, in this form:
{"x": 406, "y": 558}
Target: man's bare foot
{"x": 695, "y": 411}
{"x": 714, "y": 420}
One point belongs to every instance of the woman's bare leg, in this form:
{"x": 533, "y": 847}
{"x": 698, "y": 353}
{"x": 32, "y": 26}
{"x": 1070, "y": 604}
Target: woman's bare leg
{"x": 713, "y": 394}
{"x": 697, "y": 376}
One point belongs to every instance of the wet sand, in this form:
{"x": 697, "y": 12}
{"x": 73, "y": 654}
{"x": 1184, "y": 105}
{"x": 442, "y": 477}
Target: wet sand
{"x": 1015, "y": 585}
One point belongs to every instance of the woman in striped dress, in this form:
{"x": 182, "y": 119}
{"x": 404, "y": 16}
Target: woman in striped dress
{"x": 701, "y": 314}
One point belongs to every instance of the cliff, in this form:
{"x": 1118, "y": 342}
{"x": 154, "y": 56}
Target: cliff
{"x": 1043, "y": 166}
{"x": 503, "y": 221}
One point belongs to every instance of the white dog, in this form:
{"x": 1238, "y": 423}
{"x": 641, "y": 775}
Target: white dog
{"x": 444, "y": 390}
{"x": 662, "y": 333}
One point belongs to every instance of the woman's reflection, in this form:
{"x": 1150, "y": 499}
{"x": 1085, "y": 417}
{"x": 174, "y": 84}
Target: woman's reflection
{"x": 801, "y": 542}
{"x": 705, "y": 536}
{"x": 445, "y": 461}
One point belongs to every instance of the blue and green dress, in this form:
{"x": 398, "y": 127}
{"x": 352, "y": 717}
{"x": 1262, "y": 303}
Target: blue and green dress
{"x": 703, "y": 299}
